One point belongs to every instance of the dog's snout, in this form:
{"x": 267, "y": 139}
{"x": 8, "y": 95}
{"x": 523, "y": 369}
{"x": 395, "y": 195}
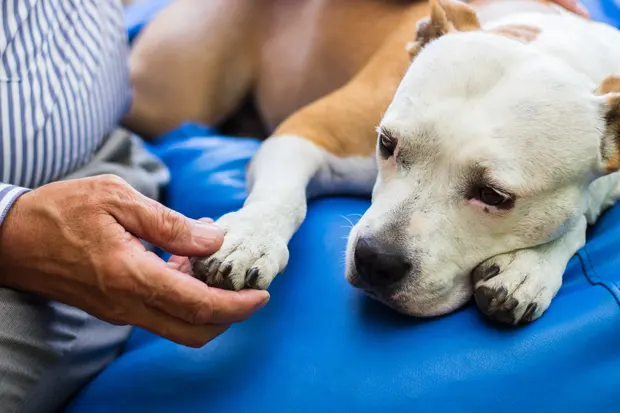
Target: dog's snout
{"x": 378, "y": 264}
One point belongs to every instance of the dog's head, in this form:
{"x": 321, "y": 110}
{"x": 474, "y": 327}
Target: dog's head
{"x": 487, "y": 147}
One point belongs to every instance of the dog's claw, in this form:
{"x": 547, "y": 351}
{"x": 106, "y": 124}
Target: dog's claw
{"x": 225, "y": 269}
{"x": 252, "y": 277}
{"x": 528, "y": 316}
{"x": 485, "y": 273}
{"x": 211, "y": 266}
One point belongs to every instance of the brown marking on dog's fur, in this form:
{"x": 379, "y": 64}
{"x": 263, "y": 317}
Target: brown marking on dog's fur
{"x": 610, "y": 87}
{"x": 284, "y": 55}
{"x": 462, "y": 17}
{"x": 522, "y": 33}
{"x": 613, "y": 123}
{"x": 344, "y": 121}
{"x": 445, "y": 16}
{"x": 613, "y": 163}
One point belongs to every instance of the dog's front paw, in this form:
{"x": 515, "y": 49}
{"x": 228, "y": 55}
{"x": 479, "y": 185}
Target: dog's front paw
{"x": 516, "y": 288}
{"x": 250, "y": 257}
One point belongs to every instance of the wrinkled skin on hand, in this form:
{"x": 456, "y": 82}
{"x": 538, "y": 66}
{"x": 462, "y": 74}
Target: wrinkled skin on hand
{"x": 78, "y": 242}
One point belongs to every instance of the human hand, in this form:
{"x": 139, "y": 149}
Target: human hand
{"x": 574, "y": 6}
{"x": 77, "y": 242}
{"x": 181, "y": 263}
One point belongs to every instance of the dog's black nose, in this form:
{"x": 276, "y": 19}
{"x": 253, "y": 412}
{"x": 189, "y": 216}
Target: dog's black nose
{"x": 377, "y": 264}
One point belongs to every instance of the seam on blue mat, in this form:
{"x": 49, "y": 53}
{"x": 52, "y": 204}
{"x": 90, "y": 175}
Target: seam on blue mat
{"x": 590, "y": 273}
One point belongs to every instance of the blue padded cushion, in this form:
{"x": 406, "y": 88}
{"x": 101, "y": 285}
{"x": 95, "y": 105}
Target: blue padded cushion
{"x": 321, "y": 346}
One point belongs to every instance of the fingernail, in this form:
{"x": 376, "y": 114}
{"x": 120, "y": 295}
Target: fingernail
{"x": 263, "y": 297}
{"x": 264, "y": 300}
{"x": 206, "y": 234}
{"x": 582, "y": 10}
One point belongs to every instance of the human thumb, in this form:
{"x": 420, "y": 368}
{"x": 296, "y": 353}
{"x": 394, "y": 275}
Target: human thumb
{"x": 167, "y": 229}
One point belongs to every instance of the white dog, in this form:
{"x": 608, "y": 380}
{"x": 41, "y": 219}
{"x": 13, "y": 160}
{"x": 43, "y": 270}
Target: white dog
{"x": 495, "y": 153}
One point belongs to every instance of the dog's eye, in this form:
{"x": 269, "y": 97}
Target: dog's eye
{"x": 492, "y": 197}
{"x": 387, "y": 145}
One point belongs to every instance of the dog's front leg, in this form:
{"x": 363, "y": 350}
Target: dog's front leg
{"x": 326, "y": 147}
{"x": 255, "y": 245}
{"x": 517, "y": 287}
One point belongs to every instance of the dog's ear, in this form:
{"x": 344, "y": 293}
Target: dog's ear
{"x": 445, "y": 16}
{"x": 610, "y": 145}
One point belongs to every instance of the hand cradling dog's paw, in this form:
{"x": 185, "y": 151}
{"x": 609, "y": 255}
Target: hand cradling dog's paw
{"x": 250, "y": 257}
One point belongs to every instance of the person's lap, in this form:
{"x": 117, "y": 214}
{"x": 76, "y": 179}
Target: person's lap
{"x": 49, "y": 350}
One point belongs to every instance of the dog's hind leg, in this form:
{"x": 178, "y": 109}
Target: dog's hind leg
{"x": 196, "y": 61}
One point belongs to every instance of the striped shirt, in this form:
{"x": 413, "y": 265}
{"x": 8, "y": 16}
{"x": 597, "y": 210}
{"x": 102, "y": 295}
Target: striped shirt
{"x": 64, "y": 84}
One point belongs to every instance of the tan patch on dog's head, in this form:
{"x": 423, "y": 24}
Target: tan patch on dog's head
{"x": 522, "y": 33}
{"x": 609, "y": 85}
{"x": 613, "y": 124}
{"x": 445, "y": 16}
{"x": 610, "y": 146}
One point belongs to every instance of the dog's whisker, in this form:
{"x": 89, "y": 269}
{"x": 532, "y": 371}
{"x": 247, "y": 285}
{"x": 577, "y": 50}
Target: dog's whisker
{"x": 348, "y": 220}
